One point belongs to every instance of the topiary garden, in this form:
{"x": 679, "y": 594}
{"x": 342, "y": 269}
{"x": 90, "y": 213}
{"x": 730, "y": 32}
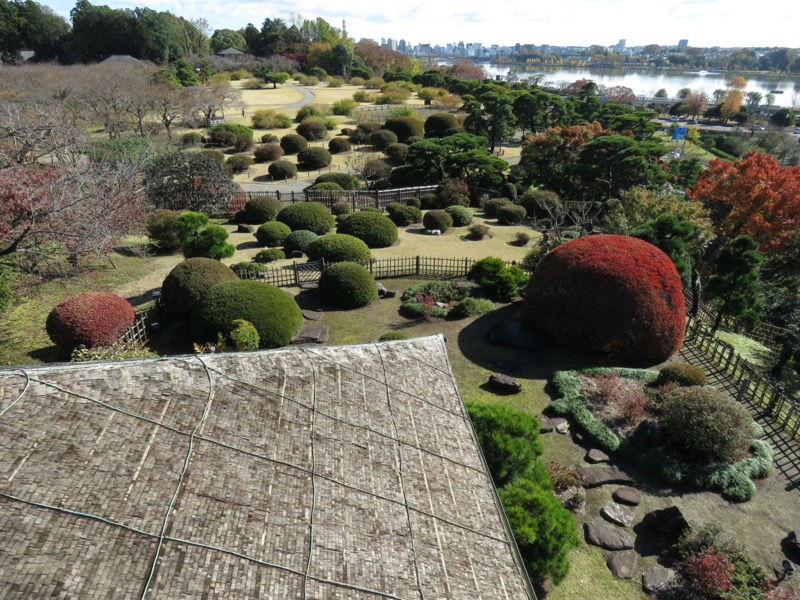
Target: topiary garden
{"x": 298, "y": 241}
{"x": 262, "y": 209}
{"x": 272, "y": 234}
{"x": 338, "y": 247}
{"x": 188, "y": 281}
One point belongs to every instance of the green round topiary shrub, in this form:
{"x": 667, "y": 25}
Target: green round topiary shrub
{"x": 375, "y": 229}
{"x": 267, "y": 153}
{"x": 490, "y": 207}
{"x": 683, "y": 374}
{"x": 239, "y": 163}
{"x": 241, "y": 338}
{"x": 292, "y": 143}
{"x": 344, "y": 180}
{"x": 347, "y": 285}
{"x": 396, "y": 154}
{"x": 89, "y": 319}
{"x": 269, "y": 255}
{"x": 282, "y": 169}
{"x": 188, "y": 281}
{"x": 262, "y": 209}
{"x": 405, "y": 127}
{"x": 273, "y": 312}
{"x": 461, "y": 215}
{"x": 298, "y": 241}
{"x": 341, "y": 208}
{"x": 314, "y": 158}
{"x": 338, "y": 247}
{"x": 438, "y": 124}
{"x": 511, "y": 214}
{"x": 415, "y": 202}
{"x": 437, "y": 219}
{"x": 272, "y": 234}
{"x": 312, "y": 129}
{"x": 270, "y": 138}
{"x": 469, "y": 307}
{"x": 312, "y": 216}
{"x": 382, "y": 138}
{"x": 406, "y": 215}
{"x": 391, "y": 207}
{"x": 247, "y": 270}
{"x": 430, "y": 202}
{"x": 339, "y": 145}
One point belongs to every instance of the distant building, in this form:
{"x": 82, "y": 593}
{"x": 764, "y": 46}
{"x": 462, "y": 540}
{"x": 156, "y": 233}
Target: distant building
{"x": 230, "y": 52}
{"x": 683, "y": 44}
{"x": 124, "y": 59}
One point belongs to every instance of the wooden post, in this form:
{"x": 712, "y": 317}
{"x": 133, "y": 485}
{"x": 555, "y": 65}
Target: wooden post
{"x": 296, "y": 274}
{"x": 742, "y": 390}
{"x": 777, "y": 392}
{"x": 417, "y": 264}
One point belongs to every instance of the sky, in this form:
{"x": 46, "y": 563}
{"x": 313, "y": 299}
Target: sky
{"x": 704, "y": 23}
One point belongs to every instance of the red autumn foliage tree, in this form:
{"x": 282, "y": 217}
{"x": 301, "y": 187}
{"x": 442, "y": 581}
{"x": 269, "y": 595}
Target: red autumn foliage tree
{"x": 612, "y": 294}
{"x": 755, "y": 197}
{"x": 708, "y": 573}
{"x": 90, "y": 319}
{"x": 73, "y": 209}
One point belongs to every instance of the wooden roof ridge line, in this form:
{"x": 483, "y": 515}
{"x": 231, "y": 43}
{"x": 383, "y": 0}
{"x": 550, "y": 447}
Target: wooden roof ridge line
{"x": 171, "y": 505}
{"x": 402, "y": 478}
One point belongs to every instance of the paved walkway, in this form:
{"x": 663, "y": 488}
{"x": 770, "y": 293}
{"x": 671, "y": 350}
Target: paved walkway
{"x": 786, "y": 459}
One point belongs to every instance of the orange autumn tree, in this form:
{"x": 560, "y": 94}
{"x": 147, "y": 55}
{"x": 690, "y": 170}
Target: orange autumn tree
{"x": 755, "y": 197}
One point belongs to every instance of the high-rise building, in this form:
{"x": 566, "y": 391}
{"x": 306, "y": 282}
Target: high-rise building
{"x": 621, "y": 45}
{"x": 683, "y": 44}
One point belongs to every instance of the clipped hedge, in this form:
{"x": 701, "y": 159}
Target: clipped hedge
{"x": 461, "y": 215}
{"x": 382, "y": 139}
{"x": 311, "y": 216}
{"x": 292, "y": 143}
{"x": 490, "y": 207}
{"x": 274, "y": 313}
{"x": 404, "y": 127}
{"x": 683, "y": 374}
{"x": 298, "y": 241}
{"x": 314, "y": 158}
{"x": 338, "y": 247}
{"x": 188, "y": 281}
{"x": 375, "y": 229}
{"x": 312, "y": 129}
{"x": 272, "y": 234}
{"x": 267, "y": 152}
{"x": 437, "y": 219}
{"x": 347, "y": 285}
{"x": 438, "y": 124}
{"x": 262, "y": 209}
{"x": 282, "y": 169}
{"x": 90, "y": 319}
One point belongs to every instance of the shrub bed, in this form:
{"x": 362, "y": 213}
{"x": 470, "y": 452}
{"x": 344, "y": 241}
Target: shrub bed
{"x": 498, "y": 280}
{"x": 311, "y": 216}
{"x": 272, "y": 234}
{"x": 338, "y": 247}
{"x": 269, "y": 255}
{"x": 90, "y": 319}
{"x": 347, "y": 285}
{"x": 298, "y": 241}
{"x": 373, "y": 228}
{"x": 188, "y": 281}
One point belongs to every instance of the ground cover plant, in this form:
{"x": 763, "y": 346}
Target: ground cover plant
{"x": 689, "y": 436}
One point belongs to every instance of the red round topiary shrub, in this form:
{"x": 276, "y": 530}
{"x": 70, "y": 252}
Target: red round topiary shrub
{"x": 609, "y": 293}
{"x": 90, "y": 319}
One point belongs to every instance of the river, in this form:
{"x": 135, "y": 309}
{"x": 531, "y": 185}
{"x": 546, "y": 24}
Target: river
{"x": 646, "y": 82}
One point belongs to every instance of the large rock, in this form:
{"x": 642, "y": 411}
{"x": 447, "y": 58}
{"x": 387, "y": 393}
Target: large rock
{"x": 604, "y": 536}
{"x": 503, "y": 384}
{"x": 622, "y": 565}
{"x": 545, "y": 424}
{"x": 595, "y": 456}
{"x": 667, "y": 521}
{"x": 657, "y": 578}
{"x": 596, "y": 476}
{"x": 617, "y": 514}
{"x": 627, "y": 495}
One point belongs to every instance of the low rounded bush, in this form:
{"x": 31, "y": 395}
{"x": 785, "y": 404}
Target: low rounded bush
{"x": 311, "y": 110}
{"x": 269, "y": 255}
{"x": 344, "y": 107}
{"x": 188, "y": 281}
{"x": 241, "y": 338}
{"x": 298, "y": 241}
{"x": 430, "y": 202}
{"x": 406, "y": 215}
{"x": 396, "y": 154}
{"x": 510, "y": 214}
{"x": 314, "y": 158}
{"x": 311, "y": 216}
{"x": 497, "y": 279}
{"x": 161, "y": 230}
{"x": 338, "y": 247}
{"x": 375, "y": 229}
{"x": 343, "y": 180}
{"x": 246, "y": 270}
{"x": 341, "y": 208}
{"x": 382, "y": 138}
{"x": 328, "y": 186}
{"x": 490, "y": 207}
{"x": 683, "y": 374}
{"x": 313, "y": 130}
{"x": 438, "y": 124}
{"x": 193, "y": 138}
{"x": 391, "y": 207}
{"x": 239, "y": 163}
{"x": 231, "y": 134}
{"x": 270, "y": 138}
{"x": 703, "y": 425}
{"x": 274, "y": 313}
{"x": 272, "y": 234}
{"x": 338, "y": 145}
{"x": 461, "y": 215}
{"x": 282, "y": 169}
{"x": 478, "y": 231}
{"x": 404, "y": 127}
{"x": 612, "y": 294}
{"x": 347, "y": 285}
{"x": 522, "y": 238}
{"x": 216, "y": 155}
{"x": 90, "y": 319}
{"x": 470, "y": 307}
{"x": 292, "y": 143}
{"x": 267, "y": 152}
{"x": 437, "y": 219}
{"x": 415, "y": 202}
{"x": 261, "y": 209}
{"x": 413, "y": 309}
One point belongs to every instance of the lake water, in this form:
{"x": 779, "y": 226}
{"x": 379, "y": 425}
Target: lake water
{"x": 646, "y": 82}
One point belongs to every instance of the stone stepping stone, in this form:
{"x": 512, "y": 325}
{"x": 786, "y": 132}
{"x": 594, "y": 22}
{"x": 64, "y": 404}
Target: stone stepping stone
{"x": 622, "y": 565}
{"x": 504, "y": 384}
{"x": 595, "y": 456}
{"x": 312, "y": 333}
{"x": 596, "y": 476}
{"x": 627, "y": 495}
{"x": 560, "y": 424}
{"x": 312, "y": 315}
{"x": 607, "y": 537}
{"x": 657, "y": 578}
{"x": 545, "y": 424}
{"x": 617, "y": 514}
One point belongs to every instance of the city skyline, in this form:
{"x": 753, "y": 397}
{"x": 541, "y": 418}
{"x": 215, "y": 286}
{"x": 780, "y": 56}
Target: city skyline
{"x": 705, "y": 23}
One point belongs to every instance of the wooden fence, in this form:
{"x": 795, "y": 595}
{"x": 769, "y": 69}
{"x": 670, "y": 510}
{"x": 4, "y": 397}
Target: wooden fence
{"x": 139, "y": 333}
{"x": 751, "y": 383}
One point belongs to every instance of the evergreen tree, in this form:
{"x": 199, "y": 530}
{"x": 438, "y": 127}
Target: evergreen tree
{"x": 733, "y": 288}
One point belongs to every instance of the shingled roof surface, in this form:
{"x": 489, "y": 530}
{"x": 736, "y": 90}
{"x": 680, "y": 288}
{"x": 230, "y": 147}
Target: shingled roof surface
{"x": 320, "y": 472}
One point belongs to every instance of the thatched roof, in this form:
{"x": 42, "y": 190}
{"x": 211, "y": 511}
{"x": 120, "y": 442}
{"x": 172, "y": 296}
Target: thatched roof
{"x": 216, "y": 475}
{"x": 230, "y": 51}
